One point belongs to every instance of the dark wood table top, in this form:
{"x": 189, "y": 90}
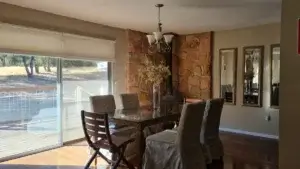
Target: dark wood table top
{"x": 147, "y": 115}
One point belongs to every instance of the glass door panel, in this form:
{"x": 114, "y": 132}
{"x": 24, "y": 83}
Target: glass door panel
{"x": 81, "y": 79}
{"x": 29, "y": 115}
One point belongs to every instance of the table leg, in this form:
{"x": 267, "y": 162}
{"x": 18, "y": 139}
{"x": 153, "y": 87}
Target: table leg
{"x": 216, "y": 164}
{"x": 238, "y": 165}
{"x": 142, "y": 147}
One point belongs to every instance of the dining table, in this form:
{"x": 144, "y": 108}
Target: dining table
{"x": 147, "y": 116}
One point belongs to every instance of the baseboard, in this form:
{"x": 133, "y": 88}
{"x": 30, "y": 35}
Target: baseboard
{"x": 249, "y": 133}
{"x": 73, "y": 141}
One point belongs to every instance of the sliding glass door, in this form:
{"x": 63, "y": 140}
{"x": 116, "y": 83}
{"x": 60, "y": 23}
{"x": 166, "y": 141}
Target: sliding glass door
{"x": 81, "y": 79}
{"x": 29, "y": 112}
{"x": 41, "y": 99}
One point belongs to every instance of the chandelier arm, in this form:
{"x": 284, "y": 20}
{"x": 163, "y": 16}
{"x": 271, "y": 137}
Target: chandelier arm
{"x": 161, "y": 43}
{"x": 165, "y": 48}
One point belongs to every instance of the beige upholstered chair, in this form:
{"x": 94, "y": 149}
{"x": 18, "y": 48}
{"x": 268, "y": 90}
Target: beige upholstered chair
{"x": 179, "y": 149}
{"x": 103, "y": 103}
{"x": 130, "y": 101}
{"x": 210, "y": 129}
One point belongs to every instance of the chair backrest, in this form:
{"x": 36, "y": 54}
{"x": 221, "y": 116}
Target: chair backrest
{"x": 189, "y": 135}
{"x": 103, "y": 103}
{"x": 130, "y": 101}
{"x": 96, "y": 127}
{"x": 211, "y": 121}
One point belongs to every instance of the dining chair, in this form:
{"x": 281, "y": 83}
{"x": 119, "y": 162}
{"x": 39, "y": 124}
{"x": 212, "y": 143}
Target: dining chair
{"x": 130, "y": 101}
{"x": 97, "y": 134}
{"x": 106, "y": 104}
{"x": 103, "y": 103}
{"x": 180, "y": 148}
{"x": 210, "y": 131}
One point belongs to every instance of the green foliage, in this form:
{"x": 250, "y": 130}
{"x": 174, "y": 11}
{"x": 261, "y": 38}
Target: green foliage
{"x": 44, "y": 61}
{"x": 15, "y": 60}
{"x": 78, "y": 63}
{"x": 3, "y": 59}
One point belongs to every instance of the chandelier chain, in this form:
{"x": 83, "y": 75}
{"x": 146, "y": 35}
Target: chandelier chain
{"x": 159, "y": 21}
{"x": 159, "y": 42}
{"x": 158, "y": 15}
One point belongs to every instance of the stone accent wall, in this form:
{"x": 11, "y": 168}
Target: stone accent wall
{"x": 137, "y": 49}
{"x": 192, "y": 59}
{"x": 194, "y": 54}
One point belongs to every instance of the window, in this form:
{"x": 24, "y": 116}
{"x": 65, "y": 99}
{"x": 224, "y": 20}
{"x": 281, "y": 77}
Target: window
{"x": 41, "y": 98}
{"x": 81, "y": 79}
{"x": 28, "y": 100}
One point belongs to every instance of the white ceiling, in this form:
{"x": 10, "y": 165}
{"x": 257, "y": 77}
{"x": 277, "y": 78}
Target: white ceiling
{"x": 180, "y": 16}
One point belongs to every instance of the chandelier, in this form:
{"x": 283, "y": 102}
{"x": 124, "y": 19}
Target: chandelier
{"x": 159, "y": 42}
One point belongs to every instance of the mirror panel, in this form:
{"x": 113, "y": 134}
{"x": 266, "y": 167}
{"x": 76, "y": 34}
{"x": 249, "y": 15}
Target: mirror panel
{"x": 252, "y": 76}
{"x": 275, "y": 75}
{"x": 228, "y": 64}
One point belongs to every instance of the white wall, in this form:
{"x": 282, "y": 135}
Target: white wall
{"x": 289, "y": 144}
{"x": 238, "y": 117}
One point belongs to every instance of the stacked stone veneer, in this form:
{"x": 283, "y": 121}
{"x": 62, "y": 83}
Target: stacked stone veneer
{"x": 194, "y": 54}
{"x": 192, "y": 58}
{"x": 137, "y": 49}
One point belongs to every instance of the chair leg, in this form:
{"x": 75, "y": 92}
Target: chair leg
{"x": 103, "y": 157}
{"x": 88, "y": 164}
{"x": 129, "y": 165}
{"x": 216, "y": 164}
{"x": 118, "y": 161}
{"x": 122, "y": 157}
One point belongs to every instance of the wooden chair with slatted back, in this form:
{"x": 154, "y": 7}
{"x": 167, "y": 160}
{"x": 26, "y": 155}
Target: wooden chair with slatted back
{"x": 96, "y": 131}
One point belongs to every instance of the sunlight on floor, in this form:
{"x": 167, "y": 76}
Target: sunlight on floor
{"x": 73, "y": 155}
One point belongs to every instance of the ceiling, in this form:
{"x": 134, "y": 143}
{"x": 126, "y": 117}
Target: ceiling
{"x": 179, "y": 16}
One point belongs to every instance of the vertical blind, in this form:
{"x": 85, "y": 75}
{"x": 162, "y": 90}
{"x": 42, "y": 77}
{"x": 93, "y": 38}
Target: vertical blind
{"x": 36, "y": 41}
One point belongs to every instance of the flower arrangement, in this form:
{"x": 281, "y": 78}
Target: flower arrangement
{"x": 153, "y": 73}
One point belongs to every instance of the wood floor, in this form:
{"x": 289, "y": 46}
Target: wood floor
{"x": 242, "y": 152}
{"x": 248, "y": 152}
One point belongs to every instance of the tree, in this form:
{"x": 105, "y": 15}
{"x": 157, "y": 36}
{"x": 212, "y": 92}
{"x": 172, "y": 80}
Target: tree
{"x": 38, "y": 61}
{"x": 48, "y": 65}
{"x": 46, "y": 62}
{"x": 3, "y": 60}
{"x": 15, "y": 60}
{"x": 28, "y": 66}
{"x": 37, "y": 68}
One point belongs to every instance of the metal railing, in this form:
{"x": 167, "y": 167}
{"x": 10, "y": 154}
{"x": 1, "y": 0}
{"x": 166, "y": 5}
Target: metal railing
{"x": 19, "y": 105}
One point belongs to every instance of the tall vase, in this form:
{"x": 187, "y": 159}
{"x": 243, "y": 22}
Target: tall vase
{"x": 156, "y": 96}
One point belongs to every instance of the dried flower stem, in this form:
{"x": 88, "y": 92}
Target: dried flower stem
{"x": 153, "y": 73}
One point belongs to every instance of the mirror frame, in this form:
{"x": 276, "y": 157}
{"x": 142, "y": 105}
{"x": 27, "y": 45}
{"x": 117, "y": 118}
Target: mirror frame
{"x": 235, "y": 50}
{"x": 271, "y": 73}
{"x": 260, "y": 75}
